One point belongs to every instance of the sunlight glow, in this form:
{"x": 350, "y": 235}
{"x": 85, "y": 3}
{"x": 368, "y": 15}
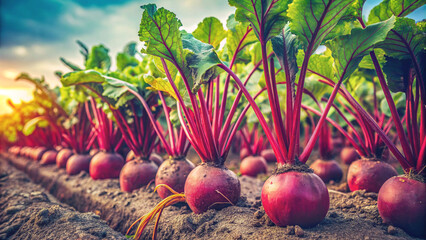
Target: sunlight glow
{"x": 16, "y": 95}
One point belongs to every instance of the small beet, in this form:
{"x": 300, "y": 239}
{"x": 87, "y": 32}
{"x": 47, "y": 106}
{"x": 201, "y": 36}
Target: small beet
{"x": 244, "y": 153}
{"x": 268, "y": 155}
{"x": 369, "y": 175}
{"x": 402, "y": 203}
{"x": 173, "y": 173}
{"x": 94, "y": 151}
{"x": 348, "y": 155}
{"x": 62, "y": 157}
{"x": 209, "y": 186}
{"x": 130, "y": 156}
{"x": 38, "y": 153}
{"x": 253, "y": 165}
{"x": 137, "y": 173}
{"x": 49, "y": 157}
{"x": 327, "y": 170}
{"x": 106, "y": 165}
{"x": 78, "y": 163}
{"x": 295, "y": 198}
{"x": 156, "y": 158}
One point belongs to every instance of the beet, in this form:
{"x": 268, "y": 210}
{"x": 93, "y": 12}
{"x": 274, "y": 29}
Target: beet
{"x": 49, "y": 157}
{"x": 156, "y": 158}
{"x": 173, "y": 173}
{"x": 137, "y": 173}
{"x": 207, "y": 185}
{"x": 106, "y": 165}
{"x": 348, "y": 155}
{"x": 337, "y": 144}
{"x": 253, "y": 165}
{"x": 369, "y": 175}
{"x": 62, "y": 157}
{"x": 244, "y": 153}
{"x": 130, "y": 156}
{"x": 94, "y": 151}
{"x": 268, "y": 155}
{"x": 402, "y": 203}
{"x": 327, "y": 170}
{"x": 38, "y": 153}
{"x": 78, "y": 163}
{"x": 295, "y": 198}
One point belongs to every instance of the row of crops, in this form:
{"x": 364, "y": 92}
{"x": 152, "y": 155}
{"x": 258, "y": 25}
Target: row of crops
{"x": 282, "y": 79}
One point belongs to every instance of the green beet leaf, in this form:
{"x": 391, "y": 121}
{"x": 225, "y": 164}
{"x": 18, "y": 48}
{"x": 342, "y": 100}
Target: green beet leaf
{"x": 267, "y": 17}
{"x": 389, "y": 8}
{"x": 98, "y": 58}
{"x": 397, "y": 73}
{"x": 313, "y": 20}
{"x": 210, "y": 31}
{"x": 201, "y": 60}
{"x": 285, "y": 47}
{"x": 159, "y": 30}
{"x": 405, "y": 40}
{"x": 236, "y": 32}
{"x": 348, "y": 50}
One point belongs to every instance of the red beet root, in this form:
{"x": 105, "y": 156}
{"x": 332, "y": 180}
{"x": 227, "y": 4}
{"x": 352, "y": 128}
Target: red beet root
{"x": 157, "y": 159}
{"x": 295, "y": 198}
{"x": 348, "y": 155}
{"x": 94, "y": 151}
{"x": 137, "y": 173}
{"x": 327, "y": 170}
{"x": 173, "y": 173}
{"x": 62, "y": 157}
{"x": 49, "y": 157}
{"x": 402, "y": 203}
{"x": 253, "y": 165}
{"x": 130, "y": 156}
{"x": 106, "y": 165}
{"x": 154, "y": 157}
{"x": 244, "y": 153}
{"x": 38, "y": 153}
{"x": 369, "y": 175}
{"x": 268, "y": 155}
{"x": 210, "y": 187}
{"x": 77, "y": 163}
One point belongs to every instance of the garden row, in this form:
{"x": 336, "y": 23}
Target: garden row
{"x": 246, "y": 220}
{"x": 262, "y": 88}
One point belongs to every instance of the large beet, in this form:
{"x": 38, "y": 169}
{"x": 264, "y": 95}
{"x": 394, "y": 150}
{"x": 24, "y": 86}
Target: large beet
{"x": 369, "y": 175}
{"x": 62, "y": 157}
{"x": 137, "y": 173}
{"x": 49, "y": 157}
{"x": 295, "y": 198}
{"x": 348, "y": 155}
{"x": 78, "y": 163}
{"x": 253, "y": 165}
{"x": 211, "y": 187}
{"x": 173, "y": 173}
{"x": 327, "y": 170}
{"x": 106, "y": 165}
{"x": 402, "y": 203}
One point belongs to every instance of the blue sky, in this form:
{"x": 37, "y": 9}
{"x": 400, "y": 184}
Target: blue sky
{"x": 34, "y": 34}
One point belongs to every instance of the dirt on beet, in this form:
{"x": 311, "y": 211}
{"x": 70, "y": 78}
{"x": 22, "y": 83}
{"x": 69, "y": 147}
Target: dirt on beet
{"x": 351, "y": 215}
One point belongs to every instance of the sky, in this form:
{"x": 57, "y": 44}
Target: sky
{"x": 34, "y": 34}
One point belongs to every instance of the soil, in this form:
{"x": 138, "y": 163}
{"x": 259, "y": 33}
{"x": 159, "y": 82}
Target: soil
{"x": 28, "y": 212}
{"x": 351, "y": 215}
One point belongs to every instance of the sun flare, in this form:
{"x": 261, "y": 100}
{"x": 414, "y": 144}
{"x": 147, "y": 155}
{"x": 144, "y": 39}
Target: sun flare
{"x": 16, "y": 95}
